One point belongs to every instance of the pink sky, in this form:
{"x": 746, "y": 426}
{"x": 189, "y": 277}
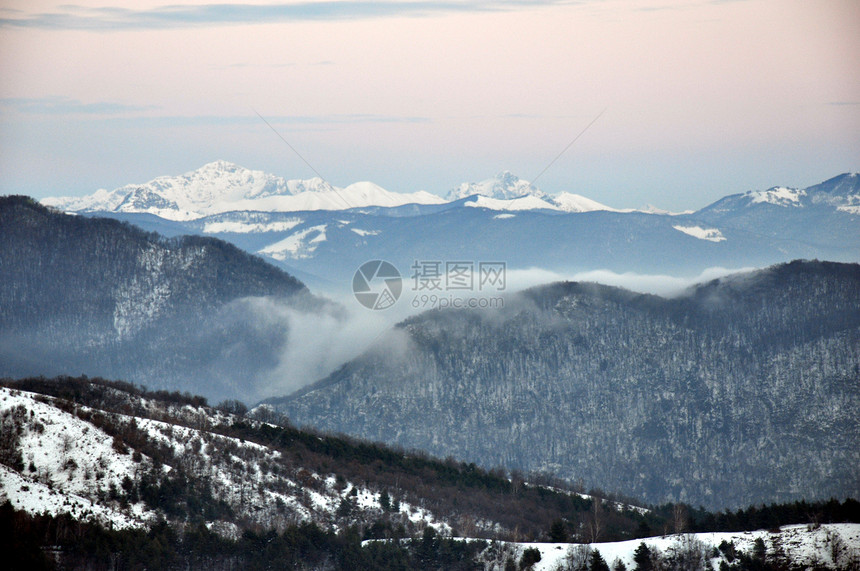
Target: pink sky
{"x": 702, "y": 98}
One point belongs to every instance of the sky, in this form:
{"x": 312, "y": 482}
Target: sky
{"x": 699, "y": 99}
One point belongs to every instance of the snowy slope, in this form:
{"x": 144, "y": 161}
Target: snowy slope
{"x": 72, "y": 466}
{"x": 87, "y": 462}
{"x": 68, "y": 464}
{"x": 570, "y": 202}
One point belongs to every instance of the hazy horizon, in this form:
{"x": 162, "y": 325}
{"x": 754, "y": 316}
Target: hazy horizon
{"x": 701, "y": 99}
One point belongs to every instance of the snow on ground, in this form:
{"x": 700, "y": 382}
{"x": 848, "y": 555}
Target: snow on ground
{"x": 67, "y": 451}
{"x": 709, "y": 234}
{"x": 34, "y": 497}
{"x": 799, "y": 543}
{"x": 70, "y": 466}
{"x": 67, "y": 462}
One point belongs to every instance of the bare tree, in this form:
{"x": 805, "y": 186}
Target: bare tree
{"x": 680, "y": 518}
{"x": 596, "y": 517}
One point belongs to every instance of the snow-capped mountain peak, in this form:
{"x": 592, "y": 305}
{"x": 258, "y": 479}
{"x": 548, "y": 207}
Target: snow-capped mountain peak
{"x": 506, "y": 191}
{"x": 315, "y": 184}
{"x": 219, "y": 181}
{"x": 504, "y": 186}
{"x": 199, "y": 192}
{"x": 221, "y": 186}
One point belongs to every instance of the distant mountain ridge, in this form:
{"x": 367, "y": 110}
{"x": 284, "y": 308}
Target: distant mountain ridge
{"x": 841, "y": 192}
{"x": 222, "y": 186}
{"x": 323, "y": 234}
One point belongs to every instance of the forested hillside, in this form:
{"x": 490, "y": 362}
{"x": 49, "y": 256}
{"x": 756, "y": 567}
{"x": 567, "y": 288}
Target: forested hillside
{"x": 96, "y": 296}
{"x": 743, "y": 390}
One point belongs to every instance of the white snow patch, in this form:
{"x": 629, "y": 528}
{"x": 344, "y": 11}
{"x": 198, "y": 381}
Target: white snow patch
{"x": 709, "y": 234}
{"x": 296, "y": 245}
{"x": 361, "y": 232}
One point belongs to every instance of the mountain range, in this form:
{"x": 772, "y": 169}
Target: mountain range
{"x": 85, "y": 294}
{"x": 322, "y": 234}
{"x": 221, "y": 186}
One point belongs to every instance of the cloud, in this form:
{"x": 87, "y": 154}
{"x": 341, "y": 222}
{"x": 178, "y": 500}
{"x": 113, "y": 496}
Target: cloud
{"x": 247, "y": 65}
{"x": 657, "y": 284}
{"x": 187, "y": 16}
{"x": 321, "y": 339}
{"x": 184, "y": 120}
{"x": 131, "y": 114}
{"x": 318, "y": 341}
{"x": 57, "y": 105}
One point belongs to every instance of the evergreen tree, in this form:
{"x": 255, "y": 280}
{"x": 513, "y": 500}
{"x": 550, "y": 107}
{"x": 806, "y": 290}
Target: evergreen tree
{"x": 558, "y": 532}
{"x": 531, "y": 555}
{"x": 642, "y": 558}
{"x": 597, "y": 563}
{"x": 385, "y": 501}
